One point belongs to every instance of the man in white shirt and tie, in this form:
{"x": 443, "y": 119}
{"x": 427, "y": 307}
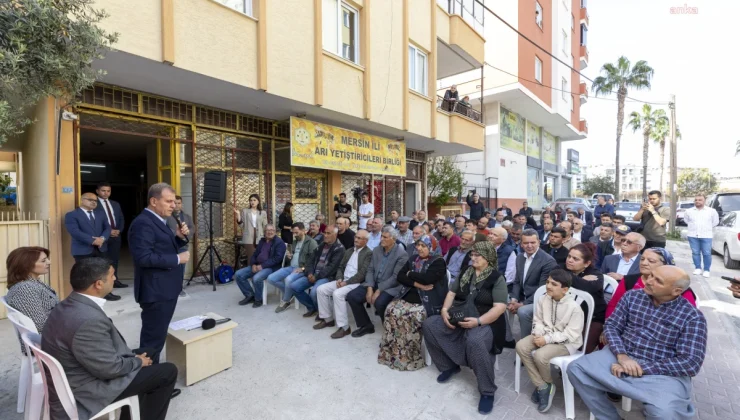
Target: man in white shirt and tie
{"x": 111, "y": 211}
{"x": 701, "y": 220}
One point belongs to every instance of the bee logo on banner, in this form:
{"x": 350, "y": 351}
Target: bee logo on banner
{"x": 322, "y": 146}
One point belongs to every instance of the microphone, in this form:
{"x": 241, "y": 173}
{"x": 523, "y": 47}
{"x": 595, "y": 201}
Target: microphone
{"x": 209, "y": 323}
{"x": 176, "y": 215}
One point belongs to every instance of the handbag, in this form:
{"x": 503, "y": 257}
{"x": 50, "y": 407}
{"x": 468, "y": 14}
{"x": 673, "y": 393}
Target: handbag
{"x": 464, "y": 309}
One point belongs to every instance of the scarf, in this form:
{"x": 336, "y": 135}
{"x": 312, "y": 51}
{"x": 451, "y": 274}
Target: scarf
{"x": 488, "y": 251}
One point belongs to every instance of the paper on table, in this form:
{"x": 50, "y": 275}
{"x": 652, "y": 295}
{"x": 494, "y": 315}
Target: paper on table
{"x": 188, "y": 323}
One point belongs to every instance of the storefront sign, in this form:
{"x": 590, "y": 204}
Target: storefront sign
{"x": 512, "y": 131}
{"x": 573, "y": 155}
{"x": 533, "y": 140}
{"x": 549, "y": 148}
{"x": 316, "y": 145}
{"x": 573, "y": 167}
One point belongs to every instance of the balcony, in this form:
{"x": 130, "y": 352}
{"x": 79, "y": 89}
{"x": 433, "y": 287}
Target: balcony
{"x": 460, "y": 42}
{"x": 583, "y": 127}
{"x": 584, "y": 16}
{"x": 584, "y": 57}
{"x": 583, "y": 90}
{"x": 459, "y": 124}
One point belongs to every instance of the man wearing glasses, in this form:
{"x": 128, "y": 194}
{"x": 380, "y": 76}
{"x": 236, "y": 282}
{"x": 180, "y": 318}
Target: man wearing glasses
{"x": 90, "y": 233}
{"x": 618, "y": 266}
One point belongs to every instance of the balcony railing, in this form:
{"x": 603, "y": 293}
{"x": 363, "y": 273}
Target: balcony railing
{"x": 459, "y": 107}
{"x": 472, "y": 11}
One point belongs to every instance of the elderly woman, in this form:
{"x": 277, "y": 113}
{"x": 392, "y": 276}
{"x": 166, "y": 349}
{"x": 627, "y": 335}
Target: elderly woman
{"x": 424, "y": 281}
{"x": 474, "y": 341}
{"x": 27, "y": 293}
{"x": 580, "y": 262}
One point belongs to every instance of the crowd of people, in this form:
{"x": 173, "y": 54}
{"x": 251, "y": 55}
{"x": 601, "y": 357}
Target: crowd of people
{"x": 456, "y": 283}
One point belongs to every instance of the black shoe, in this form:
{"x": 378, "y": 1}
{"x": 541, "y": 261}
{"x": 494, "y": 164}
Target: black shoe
{"x": 111, "y": 297}
{"x": 546, "y": 396}
{"x": 257, "y": 303}
{"x": 119, "y": 285}
{"x": 367, "y": 329}
{"x": 246, "y": 300}
{"x": 613, "y": 397}
{"x": 175, "y": 392}
{"x": 485, "y": 405}
{"x": 535, "y": 396}
{"x": 309, "y": 313}
{"x": 446, "y": 375}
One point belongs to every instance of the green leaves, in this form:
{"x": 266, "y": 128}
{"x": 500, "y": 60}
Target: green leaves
{"x": 47, "y": 48}
{"x": 696, "y": 181}
{"x": 598, "y": 184}
{"x": 444, "y": 179}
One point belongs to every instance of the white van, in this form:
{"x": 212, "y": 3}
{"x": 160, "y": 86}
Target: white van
{"x": 607, "y": 196}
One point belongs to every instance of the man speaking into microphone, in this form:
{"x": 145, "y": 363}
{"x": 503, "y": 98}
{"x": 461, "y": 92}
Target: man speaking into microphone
{"x": 157, "y": 257}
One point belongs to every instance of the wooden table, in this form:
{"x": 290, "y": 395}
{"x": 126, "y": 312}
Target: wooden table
{"x": 200, "y": 353}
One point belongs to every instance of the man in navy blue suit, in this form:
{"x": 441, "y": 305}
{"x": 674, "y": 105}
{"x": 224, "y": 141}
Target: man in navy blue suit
{"x": 90, "y": 232}
{"x": 111, "y": 211}
{"x": 157, "y": 276}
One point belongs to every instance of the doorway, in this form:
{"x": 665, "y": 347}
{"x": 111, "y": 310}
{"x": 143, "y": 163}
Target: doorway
{"x": 412, "y": 198}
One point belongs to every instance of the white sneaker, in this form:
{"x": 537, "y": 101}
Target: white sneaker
{"x": 697, "y": 271}
{"x": 706, "y": 274}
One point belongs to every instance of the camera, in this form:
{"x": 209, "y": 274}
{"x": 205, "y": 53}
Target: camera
{"x": 357, "y": 193}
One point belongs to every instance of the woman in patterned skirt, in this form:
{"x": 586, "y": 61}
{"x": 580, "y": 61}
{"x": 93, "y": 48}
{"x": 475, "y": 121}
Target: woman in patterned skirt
{"x": 424, "y": 282}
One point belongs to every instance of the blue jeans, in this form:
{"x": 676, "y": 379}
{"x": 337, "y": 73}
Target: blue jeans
{"x": 282, "y": 279}
{"x": 299, "y": 287}
{"x": 701, "y": 247}
{"x": 242, "y": 280}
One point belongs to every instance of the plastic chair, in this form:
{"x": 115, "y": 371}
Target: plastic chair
{"x": 449, "y": 278}
{"x": 563, "y": 361}
{"x": 609, "y": 281}
{"x": 24, "y": 381}
{"x": 30, "y": 382}
{"x": 64, "y": 392}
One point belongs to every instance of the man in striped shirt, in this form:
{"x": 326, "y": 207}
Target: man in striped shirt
{"x": 656, "y": 342}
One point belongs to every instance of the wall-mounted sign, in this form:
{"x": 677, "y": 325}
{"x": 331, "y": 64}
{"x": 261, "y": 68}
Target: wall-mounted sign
{"x": 533, "y": 140}
{"x": 512, "y": 131}
{"x": 317, "y": 145}
{"x": 573, "y": 155}
{"x": 68, "y": 190}
{"x": 549, "y": 148}
{"x": 573, "y": 167}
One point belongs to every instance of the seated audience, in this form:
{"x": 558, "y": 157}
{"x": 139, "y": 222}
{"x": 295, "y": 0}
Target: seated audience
{"x": 618, "y": 220}
{"x": 315, "y": 232}
{"x": 533, "y": 267}
{"x": 332, "y": 295}
{"x": 569, "y": 241}
{"x": 505, "y": 255}
{"x": 320, "y": 269}
{"x": 586, "y": 216}
{"x": 437, "y": 232}
{"x": 322, "y": 227}
{"x": 515, "y": 238}
{"x": 405, "y": 235}
{"x": 606, "y": 234}
{"x": 424, "y": 287}
{"x": 555, "y": 247}
{"x": 394, "y": 219}
{"x": 612, "y": 246}
{"x": 522, "y": 221}
{"x": 628, "y": 262}
{"x": 581, "y": 232}
{"x": 267, "y": 257}
{"x": 657, "y": 341}
{"x": 99, "y": 366}
{"x": 472, "y": 225}
{"x": 346, "y": 236}
{"x": 483, "y": 226}
{"x": 299, "y": 253}
{"x": 557, "y": 331}
{"x": 460, "y": 222}
{"x": 604, "y": 218}
{"x": 374, "y": 226}
{"x": 474, "y": 341}
{"x": 588, "y": 279}
{"x": 381, "y": 282}
{"x": 545, "y": 230}
{"x": 458, "y": 258}
{"x": 448, "y": 238}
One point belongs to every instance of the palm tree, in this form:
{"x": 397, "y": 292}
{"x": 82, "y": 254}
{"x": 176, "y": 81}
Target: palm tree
{"x": 646, "y": 122}
{"x": 661, "y": 131}
{"x": 619, "y": 77}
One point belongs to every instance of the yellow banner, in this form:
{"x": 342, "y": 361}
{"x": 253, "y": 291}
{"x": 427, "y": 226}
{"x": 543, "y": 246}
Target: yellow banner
{"x": 316, "y": 145}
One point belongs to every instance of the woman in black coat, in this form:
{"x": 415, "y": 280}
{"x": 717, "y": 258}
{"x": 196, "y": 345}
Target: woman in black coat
{"x": 285, "y": 223}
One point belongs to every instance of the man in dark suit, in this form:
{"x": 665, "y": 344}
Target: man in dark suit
{"x": 628, "y": 262}
{"x": 267, "y": 258}
{"x": 99, "y": 366}
{"x": 586, "y": 216}
{"x": 111, "y": 211}
{"x": 580, "y": 231}
{"x": 507, "y": 211}
{"x": 533, "y": 267}
{"x": 157, "y": 277}
{"x": 90, "y": 233}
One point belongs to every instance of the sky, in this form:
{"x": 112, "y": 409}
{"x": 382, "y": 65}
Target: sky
{"x": 695, "y": 57}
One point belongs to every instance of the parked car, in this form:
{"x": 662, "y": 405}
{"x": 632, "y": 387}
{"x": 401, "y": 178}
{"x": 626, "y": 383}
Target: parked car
{"x": 561, "y": 206}
{"x": 724, "y": 202}
{"x": 628, "y": 210}
{"x": 681, "y": 210}
{"x": 583, "y": 201}
{"x": 606, "y": 196}
{"x": 726, "y": 239}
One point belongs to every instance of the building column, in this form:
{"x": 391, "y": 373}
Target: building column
{"x": 334, "y": 182}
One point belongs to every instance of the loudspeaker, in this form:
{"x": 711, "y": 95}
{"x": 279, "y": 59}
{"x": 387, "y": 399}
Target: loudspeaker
{"x": 214, "y": 187}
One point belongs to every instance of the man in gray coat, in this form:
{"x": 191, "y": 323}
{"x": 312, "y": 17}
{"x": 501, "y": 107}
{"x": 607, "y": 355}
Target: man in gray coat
{"x": 99, "y": 366}
{"x": 533, "y": 267}
{"x": 380, "y": 285}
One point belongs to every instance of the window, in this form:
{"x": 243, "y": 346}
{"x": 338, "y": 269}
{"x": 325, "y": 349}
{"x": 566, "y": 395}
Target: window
{"x": 565, "y": 43}
{"x": 341, "y": 30}
{"x": 538, "y": 14}
{"x": 564, "y": 88}
{"x": 572, "y": 101}
{"x": 537, "y": 69}
{"x": 584, "y": 35}
{"x": 241, "y": 6}
{"x": 417, "y": 70}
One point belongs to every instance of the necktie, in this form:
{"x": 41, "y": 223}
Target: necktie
{"x": 110, "y": 215}
{"x": 91, "y": 218}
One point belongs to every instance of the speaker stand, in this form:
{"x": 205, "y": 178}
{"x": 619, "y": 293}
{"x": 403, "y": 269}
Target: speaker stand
{"x": 209, "y": 251}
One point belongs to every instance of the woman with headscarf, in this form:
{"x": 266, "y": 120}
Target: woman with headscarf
{"x": 474, "y": 341}
{"x": 424, "y": 281}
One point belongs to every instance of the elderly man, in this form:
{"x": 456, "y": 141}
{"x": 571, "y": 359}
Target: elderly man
{"x": 405, "y": 235}
{"x": 547, "y": 226}
{"x": 380, "y": 285}
{"x": 505, "y": 254}
{"x": 394, "y": 219}
{"x": 320, "y": 269}
{"x": 581, "y": 232}
{"x": 570, "y": 241}
{"x": 346, "y": 236}
{"x": 300, "y": 253}
{"x": 314, "y": 231}
{"x": 505, "y": 208}
{"x": 586, "y": 217}
{"x": 449, "y": 239}
{"x": 374, "y": 227}
{"x": 350, "y": 274}
{"x": 555, "y": 247}
{"x": 458, "y": 258}
{"x": 611, "y": 245}
{"x": 533, "y": 267}
{"x": 657, "y": 341}
{"x": 267, "y": 258}
{"x": 618, "y": 266}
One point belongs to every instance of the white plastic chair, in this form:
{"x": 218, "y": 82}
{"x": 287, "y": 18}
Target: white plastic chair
{"x": 64, "y": 392}
{"x": 562, "y": 362}
{"x": 24, "y": 381}
{"x": 449, "y": 278}
{"x": 30, "y": 383}
{"x": 609, "y": 281}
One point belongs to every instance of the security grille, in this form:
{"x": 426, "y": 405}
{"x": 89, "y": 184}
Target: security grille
{"x": 350, "y": 181}
{"x": 393, "y": 196}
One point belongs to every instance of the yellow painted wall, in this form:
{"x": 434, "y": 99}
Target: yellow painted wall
{"x": 290, "y": 38}
{"x": 420, "y": 29}
{"x": 443, "y": 126}
{"x": 443, "y": 25}
{"x": 138, "y": 23}
{"x": 420, "y": 119}
{"x": 342, "y": 86}
{"x": 462, "y": 34}
{"x": 37, "y": 160}
{"x": 467, "y": 132}
{"x": 215, "y": 41}
{"x": 387, "y": 64}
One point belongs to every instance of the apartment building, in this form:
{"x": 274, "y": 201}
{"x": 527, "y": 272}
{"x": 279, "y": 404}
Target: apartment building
{"x": 530, "y": 100}
{"x": 296, "y": 100}
{"x": 631, "y": 176}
